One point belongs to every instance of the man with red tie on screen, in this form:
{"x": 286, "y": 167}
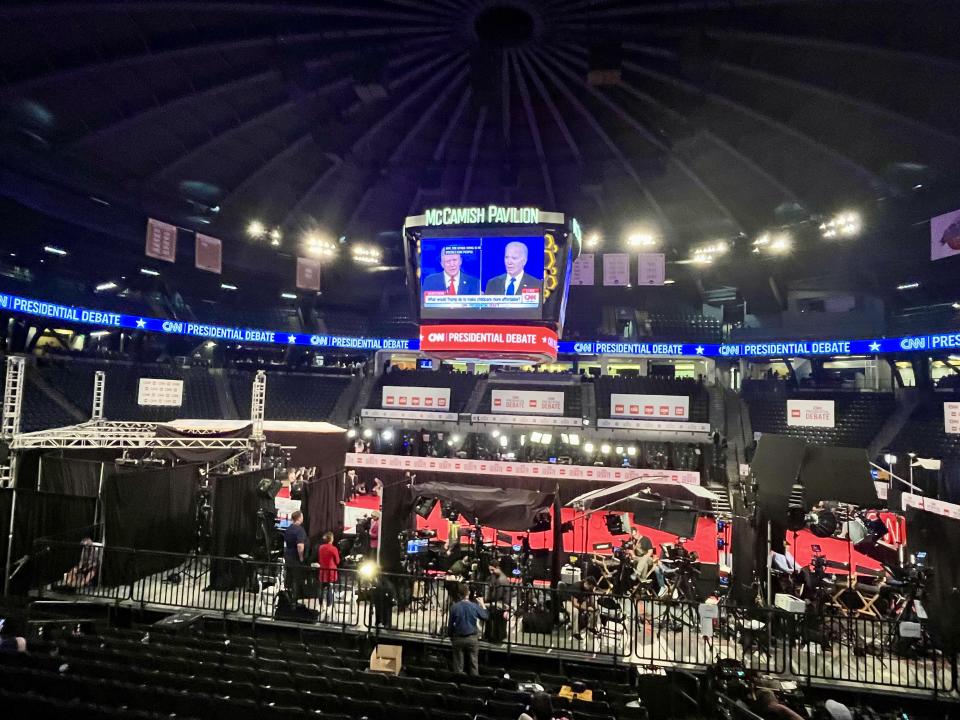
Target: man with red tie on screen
{"x": 451, "y": 281}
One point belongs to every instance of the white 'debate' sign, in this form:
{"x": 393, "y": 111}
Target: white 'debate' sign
{"x": 154, "y": 391}
{"x": 399, "y": 397}
{"x": 811, "y": 413}
{"x": 951, "y": 417}
{"x": 650, "y": 407}
{"x": 539, "y": 402}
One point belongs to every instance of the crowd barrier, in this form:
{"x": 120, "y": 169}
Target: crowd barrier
{"x": 809, "y": 648}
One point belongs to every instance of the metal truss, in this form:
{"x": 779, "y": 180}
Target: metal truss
{"x": 121, "y": 435}
{"x": 99, "y": 392}
{"x": 258, "y": 401}
{"x": 13, "y": 388}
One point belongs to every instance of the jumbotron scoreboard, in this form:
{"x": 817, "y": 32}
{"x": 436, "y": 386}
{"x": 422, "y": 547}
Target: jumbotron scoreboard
{"x": 490, "y": 282}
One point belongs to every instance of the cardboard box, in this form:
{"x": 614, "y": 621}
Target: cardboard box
{"x": 387, "y": 659}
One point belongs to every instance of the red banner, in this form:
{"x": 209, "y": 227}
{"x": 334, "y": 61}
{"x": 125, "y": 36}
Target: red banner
{"x": 209, "y": 254}
{"x": 161, "y": 240}
{"x": 308, "y": 274}
{"x": 499, "y": 340}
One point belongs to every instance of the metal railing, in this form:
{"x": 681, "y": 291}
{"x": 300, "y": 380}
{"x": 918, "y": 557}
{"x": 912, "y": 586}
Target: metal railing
{"x": 832, "y": 648}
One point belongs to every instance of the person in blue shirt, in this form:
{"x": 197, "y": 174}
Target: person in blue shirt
{"x": 294, "y": 554}
{"x": 464, "y": 633}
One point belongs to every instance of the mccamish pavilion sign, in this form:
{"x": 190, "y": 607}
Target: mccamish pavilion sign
{"x": 491, "y": 214}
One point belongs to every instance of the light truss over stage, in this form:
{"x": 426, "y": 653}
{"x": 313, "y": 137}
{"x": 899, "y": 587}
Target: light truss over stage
{"x": 121, "y": 435}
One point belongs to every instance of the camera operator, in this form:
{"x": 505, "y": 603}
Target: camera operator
{"x": 294, "y": 552}
{"x": 464, "y": 633}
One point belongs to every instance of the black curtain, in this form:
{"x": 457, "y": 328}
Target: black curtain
{"x": 940, "y": 537}
{"x": 745, "y": 558}
{"x": 776, "y": 467}
{"x": 837, "y": 473}
{"x": 234, "y": 526}
{"x": 70, "y": 476}
{"x": 949, "y": 481}
{"x": 200, "y": 455}
{"x": 512, "y": 510}
{"x": 147, "y": 509}
{"x": 321, "y": 507}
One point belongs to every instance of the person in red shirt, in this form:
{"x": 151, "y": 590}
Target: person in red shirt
{"x": 329, "y": 558}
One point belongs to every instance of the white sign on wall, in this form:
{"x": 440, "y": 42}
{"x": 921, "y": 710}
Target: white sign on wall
{"x": 537, "y": 402}
{"x": 951, "y": 417}
{"x": 153, "y": 391}
{"x": 650, "y": 407}
{"x": 583, "y": 269}
{"x": 398, "y": 397}
{"x": 811, "y": 413}
{"x": 616, "y": 269}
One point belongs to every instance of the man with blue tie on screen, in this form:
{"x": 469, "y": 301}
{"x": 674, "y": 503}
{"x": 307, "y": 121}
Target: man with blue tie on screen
{"x": 451, "y": 281}
{"x": 515, "y": 279}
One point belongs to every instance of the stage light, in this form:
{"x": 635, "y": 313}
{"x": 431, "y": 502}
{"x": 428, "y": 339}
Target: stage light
{"x": 368, "y": 433}
{"x": 705, "y": 254}
{"x": 319, "y": 245}
{"x": 288, "y": 296}
{"x": 641, "y": 239}
{"x": 210, "y": 344}
{"x": 54, "y": 250}
{"x": 387, "y": 434}
{"x": 574, "y": 439}
{"x": 618, "y": 449}
{"x": 523, "y": 440}
{"x": 450, "y": 443}
{"x": 504, "y": 441}
{"x": 366, "y": 255}
{"x": 352, "y": 433}
{"x": 780, "y": 244}
{"x": 99, "y": 333}
{"x": 669, "y": 281}
{"x": 588, "y": 447}
{"x": 455, "y": 438}
{"x": 109, "y": 285}
{"x": 631, "y": 451}
{"x": 605, "y": 448}
{"x": 368, "y": 570}
{"x": 256, "y": 229}
{"x": 535, "y": 436}
{"x": 956, "y": 306}
{"x": 890, "y": 459}
{"x": 908, "y": 286}
{"x": 275, "y": 237}
{"x": 844, "y": 225}
{"x": 148, "y": 271}
{"x": 586, "y": 421}
{"x": 546, "y": 439}
{"x": 495, "y": 434}
{"x": 593, "y": 241}
{"x": 228, "y": 286}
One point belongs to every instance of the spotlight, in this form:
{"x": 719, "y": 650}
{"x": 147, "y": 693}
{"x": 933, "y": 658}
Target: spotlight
{"x": 772, "y": 243}
{"x": 387, "y": 434}
{"x": 564, "y": 438}
{"x": 890, "y": 459}
{"x": 574, "y": 439}
{"x": 586, "y": 421}
{"x": 368, "y": 570}
{"x": 455, "y": 438}
{"x": 366, "y": 255}
{"x": 908, "y": 286}
{"x": 275, "y": 237}
{"x": 588, "y": 447}
{"x": 352, "y": 433}
{"x": 228, "y": 286}
{"x": 618, "y": 449}
{"x": 535, "y": 436}
{"x": 495, "y": 433}
{"x": 642, "y": 239}
{"x": 605, "y": 448}
{"x": 368, "y": 433}
{"x": 631, "y": 451}
{"x": 844, "y": 225}
{"x": 256, "y": 229}
{"x": 546, "y": 439}
{"x": 288, "y": 296}
{"x": 319, "y": 246}
{"x": 504, "y": 441}
{"x": 54, "y": 250}
{"x": 109, "y": 285}
{"x": 593, "y": 241}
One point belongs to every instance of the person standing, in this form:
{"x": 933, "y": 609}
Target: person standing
{"x": 294, "y": 553}
{"x": 375, "y": 535}
{"x": 329, "y": 558}
{"x": 464, "y": 633}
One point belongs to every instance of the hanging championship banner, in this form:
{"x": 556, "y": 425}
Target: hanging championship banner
{"x": 154, "y": 391}
{"x": 208, "y": 254}
{"x": 810, "y": 413}
{"x": 308, "y": 274}
{"x": 651, "y": 268}
{"x": 616, "y": 269}
{"x": 582, "y": 271}
{"x": 951, "y": 418}
{"x": 161, "y": 240}
{"x": 945, "y": 235}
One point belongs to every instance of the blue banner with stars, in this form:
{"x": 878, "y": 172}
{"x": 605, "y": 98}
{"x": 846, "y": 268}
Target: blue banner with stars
{"x": 942, "y": 342}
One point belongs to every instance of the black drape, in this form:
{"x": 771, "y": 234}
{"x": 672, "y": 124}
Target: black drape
{"x": 940, "y": 537}
{"x": 321, "y": 507}
{"x": 746, "y": 558}
{"x": 70, "y": 476}
{"x": 837, "y": 473}
{"x": 147, "y": 509}
{"x": 776, "y": 467}
{"x": 234, "y": 526}
{"x": 949, "y": 490}
{"x": 200, "y": 455}
{"x": 512, "y": 510}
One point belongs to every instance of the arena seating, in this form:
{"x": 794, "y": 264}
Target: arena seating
{"x": 40, "y": 411}
{"x": 290, "y": 396}
{"x": 923, "y": 433}
{"x": 859, "y": 417}
{"x": 686, "y": 327}
{"x": 140, "y": 674}
{"x": 699, "y": 399}
{"x": 460, "y": 384}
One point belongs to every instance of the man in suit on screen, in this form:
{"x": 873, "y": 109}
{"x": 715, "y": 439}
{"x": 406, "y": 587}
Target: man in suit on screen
{"x": 451, "y": 281}
{"x": 514, "y": 279}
